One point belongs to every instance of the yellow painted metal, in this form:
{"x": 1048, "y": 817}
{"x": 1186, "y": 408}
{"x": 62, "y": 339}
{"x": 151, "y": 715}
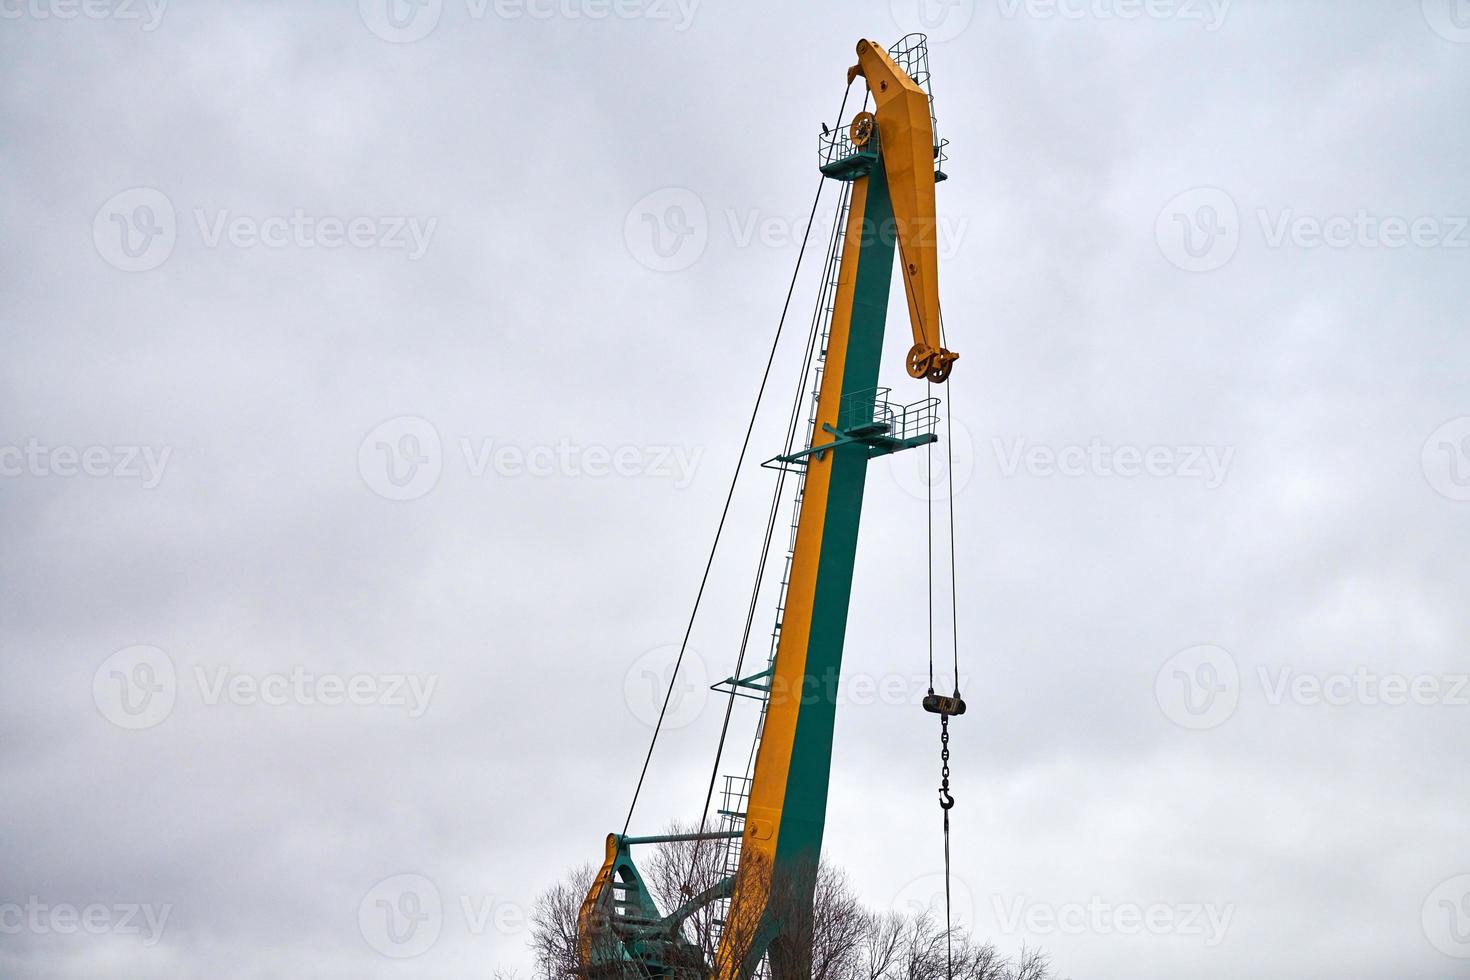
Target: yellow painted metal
{"x": 773, "y": 759}
{"x": 585, "y": 928}
{"x": 906, "y": 134}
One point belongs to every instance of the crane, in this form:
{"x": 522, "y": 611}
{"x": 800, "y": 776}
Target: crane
{"x": 890, "y": 160}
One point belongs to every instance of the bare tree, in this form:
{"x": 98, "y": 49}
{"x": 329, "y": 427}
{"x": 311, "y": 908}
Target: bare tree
{"x": 676, "y": 873}
{"x": 881, "y": 945}
{"x": 818, "y": 922}
{"x": 921, "y": 949}
{"x": 554, "y": 924}
{"x": 839, "y": 925}
{"x": 838, "y": 940}
{"x": 980, "y": 961}
{"x": 1030, "y": 964}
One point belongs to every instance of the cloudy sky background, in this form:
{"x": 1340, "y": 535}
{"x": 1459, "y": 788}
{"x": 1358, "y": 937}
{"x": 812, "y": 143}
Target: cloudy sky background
{"x": 1130, "y": 263}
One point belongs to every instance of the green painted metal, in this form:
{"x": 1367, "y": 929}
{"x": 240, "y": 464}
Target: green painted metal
{"x": 799, "y": 841}
{"x": 677, "y": 838}
{"x": 649, "y": 944}
{"x": 734, "y": 685}
{"x": 854, "y": 165}
{"x": 879, "y": 443}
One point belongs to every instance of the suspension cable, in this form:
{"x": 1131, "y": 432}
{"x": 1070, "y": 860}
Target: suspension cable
{"x": 725, "y": 511}
{"x": 771, "y": 517}
{"x": 946, "y": 800}
{"x": 724, "y": 514}
{"x": 929, "y": 541}
{"x": 792, "y": 425}
{"x": 954, "y": 605}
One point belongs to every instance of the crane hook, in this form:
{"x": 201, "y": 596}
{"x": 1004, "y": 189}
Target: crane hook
{"x": 946, "y": 799}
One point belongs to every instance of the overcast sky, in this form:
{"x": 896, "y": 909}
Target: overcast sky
{"x": 373, "y": 377}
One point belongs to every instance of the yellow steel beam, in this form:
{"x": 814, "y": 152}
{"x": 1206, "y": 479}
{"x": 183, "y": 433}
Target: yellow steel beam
{"x": 906, "y": 138}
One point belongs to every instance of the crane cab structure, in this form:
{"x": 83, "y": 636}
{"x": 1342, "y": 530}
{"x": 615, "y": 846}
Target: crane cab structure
{"x": 886, "y": 161}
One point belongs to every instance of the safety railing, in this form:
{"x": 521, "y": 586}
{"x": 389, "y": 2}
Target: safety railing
{"x": 911, "y": 53}
{"x": 872, "y": 412}
{"x": 839, "y": 158}
{"x": 837, "y": 145}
